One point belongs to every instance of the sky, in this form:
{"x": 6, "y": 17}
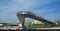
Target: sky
{"x": 47, "y": 9}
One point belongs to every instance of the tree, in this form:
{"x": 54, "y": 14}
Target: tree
{"x": 57, "y": 23}
{"x": 29, "y": 24}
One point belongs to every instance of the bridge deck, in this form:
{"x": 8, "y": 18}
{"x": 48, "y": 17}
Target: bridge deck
{"x": 30, "y": 29}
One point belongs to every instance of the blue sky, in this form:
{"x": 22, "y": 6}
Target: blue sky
{"x": 48, "y": 9}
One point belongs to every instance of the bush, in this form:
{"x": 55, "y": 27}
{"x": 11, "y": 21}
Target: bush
{"x": 38, "y": 26}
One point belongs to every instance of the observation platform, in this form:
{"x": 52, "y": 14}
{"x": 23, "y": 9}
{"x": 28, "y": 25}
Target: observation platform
{"x": 24, "y": 14}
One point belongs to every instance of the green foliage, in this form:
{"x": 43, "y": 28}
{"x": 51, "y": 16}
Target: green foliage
{"x": 5, "y": 24}
{"x": 38, "y": 26}
{"x": 29, "y": 25}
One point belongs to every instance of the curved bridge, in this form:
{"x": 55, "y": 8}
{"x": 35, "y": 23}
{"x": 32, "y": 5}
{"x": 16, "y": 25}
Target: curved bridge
{"x": 24, "y": 14}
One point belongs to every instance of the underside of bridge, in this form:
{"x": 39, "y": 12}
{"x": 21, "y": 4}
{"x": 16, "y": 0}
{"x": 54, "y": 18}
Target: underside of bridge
{"x": 24, "y": 14}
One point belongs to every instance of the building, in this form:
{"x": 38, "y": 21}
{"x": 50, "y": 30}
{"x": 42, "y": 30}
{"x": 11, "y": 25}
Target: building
{"x": 37, "y": 22}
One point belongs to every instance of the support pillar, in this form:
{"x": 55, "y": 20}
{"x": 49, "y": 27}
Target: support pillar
{"x": 22, "y": 20}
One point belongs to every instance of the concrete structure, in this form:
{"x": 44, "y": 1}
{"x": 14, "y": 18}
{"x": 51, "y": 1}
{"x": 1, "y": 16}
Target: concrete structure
{"x": 1, "y": 24}
{"x": 37, "y": 22}
{"x": 24, "y": 14}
